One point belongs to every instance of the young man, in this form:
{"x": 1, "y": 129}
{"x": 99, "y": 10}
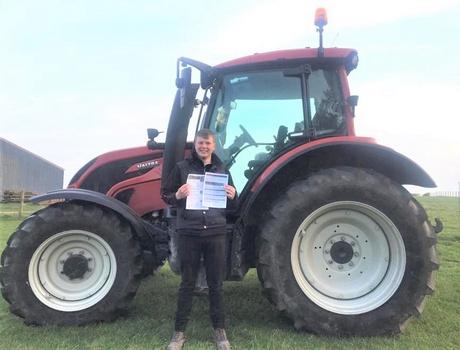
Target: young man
{"x": 200, "y": 232}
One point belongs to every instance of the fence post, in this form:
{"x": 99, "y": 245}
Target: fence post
{"x": 21, "y": 205}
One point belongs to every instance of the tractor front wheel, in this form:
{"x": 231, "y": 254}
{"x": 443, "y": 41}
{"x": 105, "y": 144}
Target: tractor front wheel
{"x": 71, "y": 264}
{"x": 347, "y": 252}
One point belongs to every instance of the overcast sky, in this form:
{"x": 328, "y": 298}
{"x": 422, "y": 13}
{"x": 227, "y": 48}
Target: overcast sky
{"x": 80, "y": 78}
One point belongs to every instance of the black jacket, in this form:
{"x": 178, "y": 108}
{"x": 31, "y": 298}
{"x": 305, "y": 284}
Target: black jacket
{"x": 201, "y": 222}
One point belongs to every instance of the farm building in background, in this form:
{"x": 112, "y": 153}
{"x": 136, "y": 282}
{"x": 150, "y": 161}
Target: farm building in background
{"x": 21, "y": 170}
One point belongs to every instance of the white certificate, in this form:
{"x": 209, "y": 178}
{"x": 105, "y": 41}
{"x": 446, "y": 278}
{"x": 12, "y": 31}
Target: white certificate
{"x": 214, "y": 194}
{"x": 195, "y": 198}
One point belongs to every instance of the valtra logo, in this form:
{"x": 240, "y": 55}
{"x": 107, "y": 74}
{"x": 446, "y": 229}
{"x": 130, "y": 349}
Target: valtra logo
{"x": 149, "y": 164}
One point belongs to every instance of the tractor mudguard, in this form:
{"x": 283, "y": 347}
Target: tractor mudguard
{"x": 139, "y": 225}
{"x": 354, "y": 152}
{"x": 392, "y": 164}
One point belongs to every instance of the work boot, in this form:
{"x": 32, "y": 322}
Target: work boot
{"x": 221, "y": 339}
{"x": 177, "y": 341}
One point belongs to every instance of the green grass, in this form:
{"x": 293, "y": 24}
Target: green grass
{"x": 11, "y": 210}
{"x": 253, "y": 323}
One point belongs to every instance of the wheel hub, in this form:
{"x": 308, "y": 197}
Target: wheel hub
{"x": 341, "y": 252}
{"x": 75, "y": 266}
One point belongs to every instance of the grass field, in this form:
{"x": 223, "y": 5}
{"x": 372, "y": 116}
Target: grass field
{"x": 253, "y": 323}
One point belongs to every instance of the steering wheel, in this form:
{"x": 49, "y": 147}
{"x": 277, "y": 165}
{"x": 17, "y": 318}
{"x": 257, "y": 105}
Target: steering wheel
{"x": 249, "y": 139}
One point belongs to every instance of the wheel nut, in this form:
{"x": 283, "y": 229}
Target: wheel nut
{"x": 329, "y": 261}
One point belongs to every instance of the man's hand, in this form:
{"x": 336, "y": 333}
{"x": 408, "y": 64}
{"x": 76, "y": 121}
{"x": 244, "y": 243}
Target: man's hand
{"x": 231, "y": 191}
{"x": 183, "y": 191}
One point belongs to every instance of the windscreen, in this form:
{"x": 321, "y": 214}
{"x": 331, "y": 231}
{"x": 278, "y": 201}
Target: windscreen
{"x": 256, "y": 112}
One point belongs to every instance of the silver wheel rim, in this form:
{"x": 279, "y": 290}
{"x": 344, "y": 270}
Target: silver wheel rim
{"x": 72, "y": 270}
{"x": 348, "y": 257}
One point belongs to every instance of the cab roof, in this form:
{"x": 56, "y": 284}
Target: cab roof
{"x": 290, "y": 54}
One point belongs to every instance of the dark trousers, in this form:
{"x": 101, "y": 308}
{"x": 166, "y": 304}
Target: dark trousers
{"x": 214, "y": 250}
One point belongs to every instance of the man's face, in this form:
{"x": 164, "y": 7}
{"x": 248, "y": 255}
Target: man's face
{"x": 204, "y": 147}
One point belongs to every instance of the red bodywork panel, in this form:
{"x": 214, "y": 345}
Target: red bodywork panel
{"x": 286, "y": 54}
{"x": 117, "y": 155}
{"x": 146, "y": 197}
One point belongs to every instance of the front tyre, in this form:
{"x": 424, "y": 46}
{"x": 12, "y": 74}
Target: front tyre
{"x": 71, "y": 264}
{"x": 347, "y": 252}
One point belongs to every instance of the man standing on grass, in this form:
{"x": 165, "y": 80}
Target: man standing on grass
{"x": 201, "y": 231}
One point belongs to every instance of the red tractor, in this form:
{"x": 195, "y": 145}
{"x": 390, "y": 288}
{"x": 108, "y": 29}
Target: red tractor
{"x": 340, "y": 246}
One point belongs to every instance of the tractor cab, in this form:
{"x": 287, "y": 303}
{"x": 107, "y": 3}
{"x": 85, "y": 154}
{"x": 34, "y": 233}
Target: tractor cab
{"x": 260, "y": 114}
{"x": 263, "y": 105}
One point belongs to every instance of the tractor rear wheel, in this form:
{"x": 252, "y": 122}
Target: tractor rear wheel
{"x": 71, "y": 264}
{"x": 347, "y": 252}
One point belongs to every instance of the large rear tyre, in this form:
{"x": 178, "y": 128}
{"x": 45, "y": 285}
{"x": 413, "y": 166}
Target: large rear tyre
{"x": 347, "y": 252}
{"x": 71, "y": 264}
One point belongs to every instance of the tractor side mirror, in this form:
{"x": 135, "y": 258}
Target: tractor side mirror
{"x": 151, "y": 134}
